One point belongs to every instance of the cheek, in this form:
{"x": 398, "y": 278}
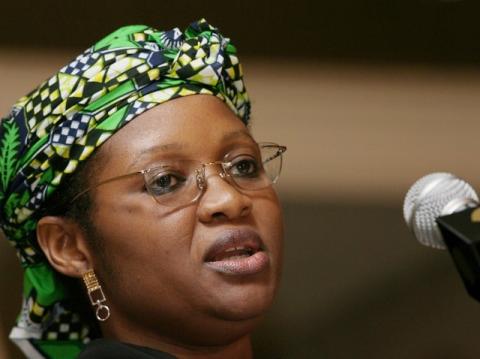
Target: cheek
{"x": 142, "y": 243}
{"x": 267, "y": 214}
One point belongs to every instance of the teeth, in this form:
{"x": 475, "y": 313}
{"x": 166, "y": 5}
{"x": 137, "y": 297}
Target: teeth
{"x": 235, "y": 252}
{"x": 235, "y": 249}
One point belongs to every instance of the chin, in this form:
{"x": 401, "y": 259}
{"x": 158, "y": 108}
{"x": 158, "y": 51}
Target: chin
{"x": 245, "y": 302}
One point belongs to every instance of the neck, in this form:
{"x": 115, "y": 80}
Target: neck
{"x": 234, "y": 348}
{"x": 240, "y": 349}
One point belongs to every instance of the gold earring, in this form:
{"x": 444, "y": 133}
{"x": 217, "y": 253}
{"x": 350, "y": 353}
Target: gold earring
{"x": 95, "y": 293}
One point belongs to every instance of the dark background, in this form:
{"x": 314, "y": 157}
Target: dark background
{"x": 432, "y": 31}
{"x": 367, "y": 83}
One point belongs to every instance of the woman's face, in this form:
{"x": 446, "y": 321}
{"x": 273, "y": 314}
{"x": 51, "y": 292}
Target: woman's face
{"x": 181, "y": 273}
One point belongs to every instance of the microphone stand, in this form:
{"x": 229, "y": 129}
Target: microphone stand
{"x": 461, "y": 234}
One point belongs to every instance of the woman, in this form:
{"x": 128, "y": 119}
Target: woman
{"x": 134, "y": 169}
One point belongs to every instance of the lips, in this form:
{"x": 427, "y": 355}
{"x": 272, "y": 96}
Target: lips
{"x": 237, "y": 252}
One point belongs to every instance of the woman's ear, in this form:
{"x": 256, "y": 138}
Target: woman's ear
{"x": 64, "y": 244}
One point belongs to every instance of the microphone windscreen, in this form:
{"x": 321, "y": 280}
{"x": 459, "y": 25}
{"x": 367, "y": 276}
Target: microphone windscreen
{"x": 432, "y": 196}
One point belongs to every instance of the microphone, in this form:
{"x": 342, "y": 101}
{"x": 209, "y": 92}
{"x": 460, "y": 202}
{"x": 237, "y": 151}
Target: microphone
{"x": 443, "y": 211}
{"x": 430, "y": 197}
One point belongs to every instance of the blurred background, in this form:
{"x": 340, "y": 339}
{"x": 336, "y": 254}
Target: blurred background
{"x": 368, "y": 95}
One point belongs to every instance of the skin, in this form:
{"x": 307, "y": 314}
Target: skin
{"x": 151, "y": 267}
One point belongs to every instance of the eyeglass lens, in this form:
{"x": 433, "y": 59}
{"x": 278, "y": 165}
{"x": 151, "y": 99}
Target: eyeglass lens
{"x": 179, "y": 182}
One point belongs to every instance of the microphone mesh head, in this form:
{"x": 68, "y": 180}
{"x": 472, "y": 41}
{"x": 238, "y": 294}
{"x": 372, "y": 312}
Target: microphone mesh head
{"x": 432, "y": 196}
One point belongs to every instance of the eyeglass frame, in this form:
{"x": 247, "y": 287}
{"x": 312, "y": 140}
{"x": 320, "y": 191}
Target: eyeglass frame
{"x": 198, "y": 174}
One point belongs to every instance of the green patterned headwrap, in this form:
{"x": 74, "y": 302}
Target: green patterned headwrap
{"x": 60, "y": 124}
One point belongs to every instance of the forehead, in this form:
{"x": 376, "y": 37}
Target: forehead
{"x": 196, "y": 126}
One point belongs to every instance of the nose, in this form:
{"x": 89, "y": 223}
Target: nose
{"x": 221, "y": 200}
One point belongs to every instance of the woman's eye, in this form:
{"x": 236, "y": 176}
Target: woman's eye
{"x": 245, "y": 168}
{"x": 165, "y": 183}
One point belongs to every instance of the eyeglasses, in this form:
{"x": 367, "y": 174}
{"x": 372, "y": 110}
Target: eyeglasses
{"x": 176, "y": 183}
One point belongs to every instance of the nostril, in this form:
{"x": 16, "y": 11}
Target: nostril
{"x": 219, "y": 215}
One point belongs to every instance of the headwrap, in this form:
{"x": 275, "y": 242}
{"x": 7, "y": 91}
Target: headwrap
{"x": 62, "y": 122}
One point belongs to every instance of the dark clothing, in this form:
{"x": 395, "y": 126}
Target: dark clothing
{"x": 111, "y": 349}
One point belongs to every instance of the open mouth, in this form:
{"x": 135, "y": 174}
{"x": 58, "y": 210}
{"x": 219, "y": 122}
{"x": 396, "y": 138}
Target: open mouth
{"x": 237, "y": 252}
{"x": 233, "y": 253}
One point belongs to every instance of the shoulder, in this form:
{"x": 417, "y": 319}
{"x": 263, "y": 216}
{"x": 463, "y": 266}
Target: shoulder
{"x": 111, "y": 349}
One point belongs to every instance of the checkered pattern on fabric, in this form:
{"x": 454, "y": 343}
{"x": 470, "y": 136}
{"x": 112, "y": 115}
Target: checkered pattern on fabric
{"x": 62, "y": 122}
{"x": 81, "y": 64}
{"x": 67, "y": 326}
{"x": 68, "y": 133}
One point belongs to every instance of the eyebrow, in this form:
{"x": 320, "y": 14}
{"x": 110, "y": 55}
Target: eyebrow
{"x": 235, "y": 134}
{"x": 162, "y": 148}
{"x": 176, "y": 146}
{"x": 173, "y": 146}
